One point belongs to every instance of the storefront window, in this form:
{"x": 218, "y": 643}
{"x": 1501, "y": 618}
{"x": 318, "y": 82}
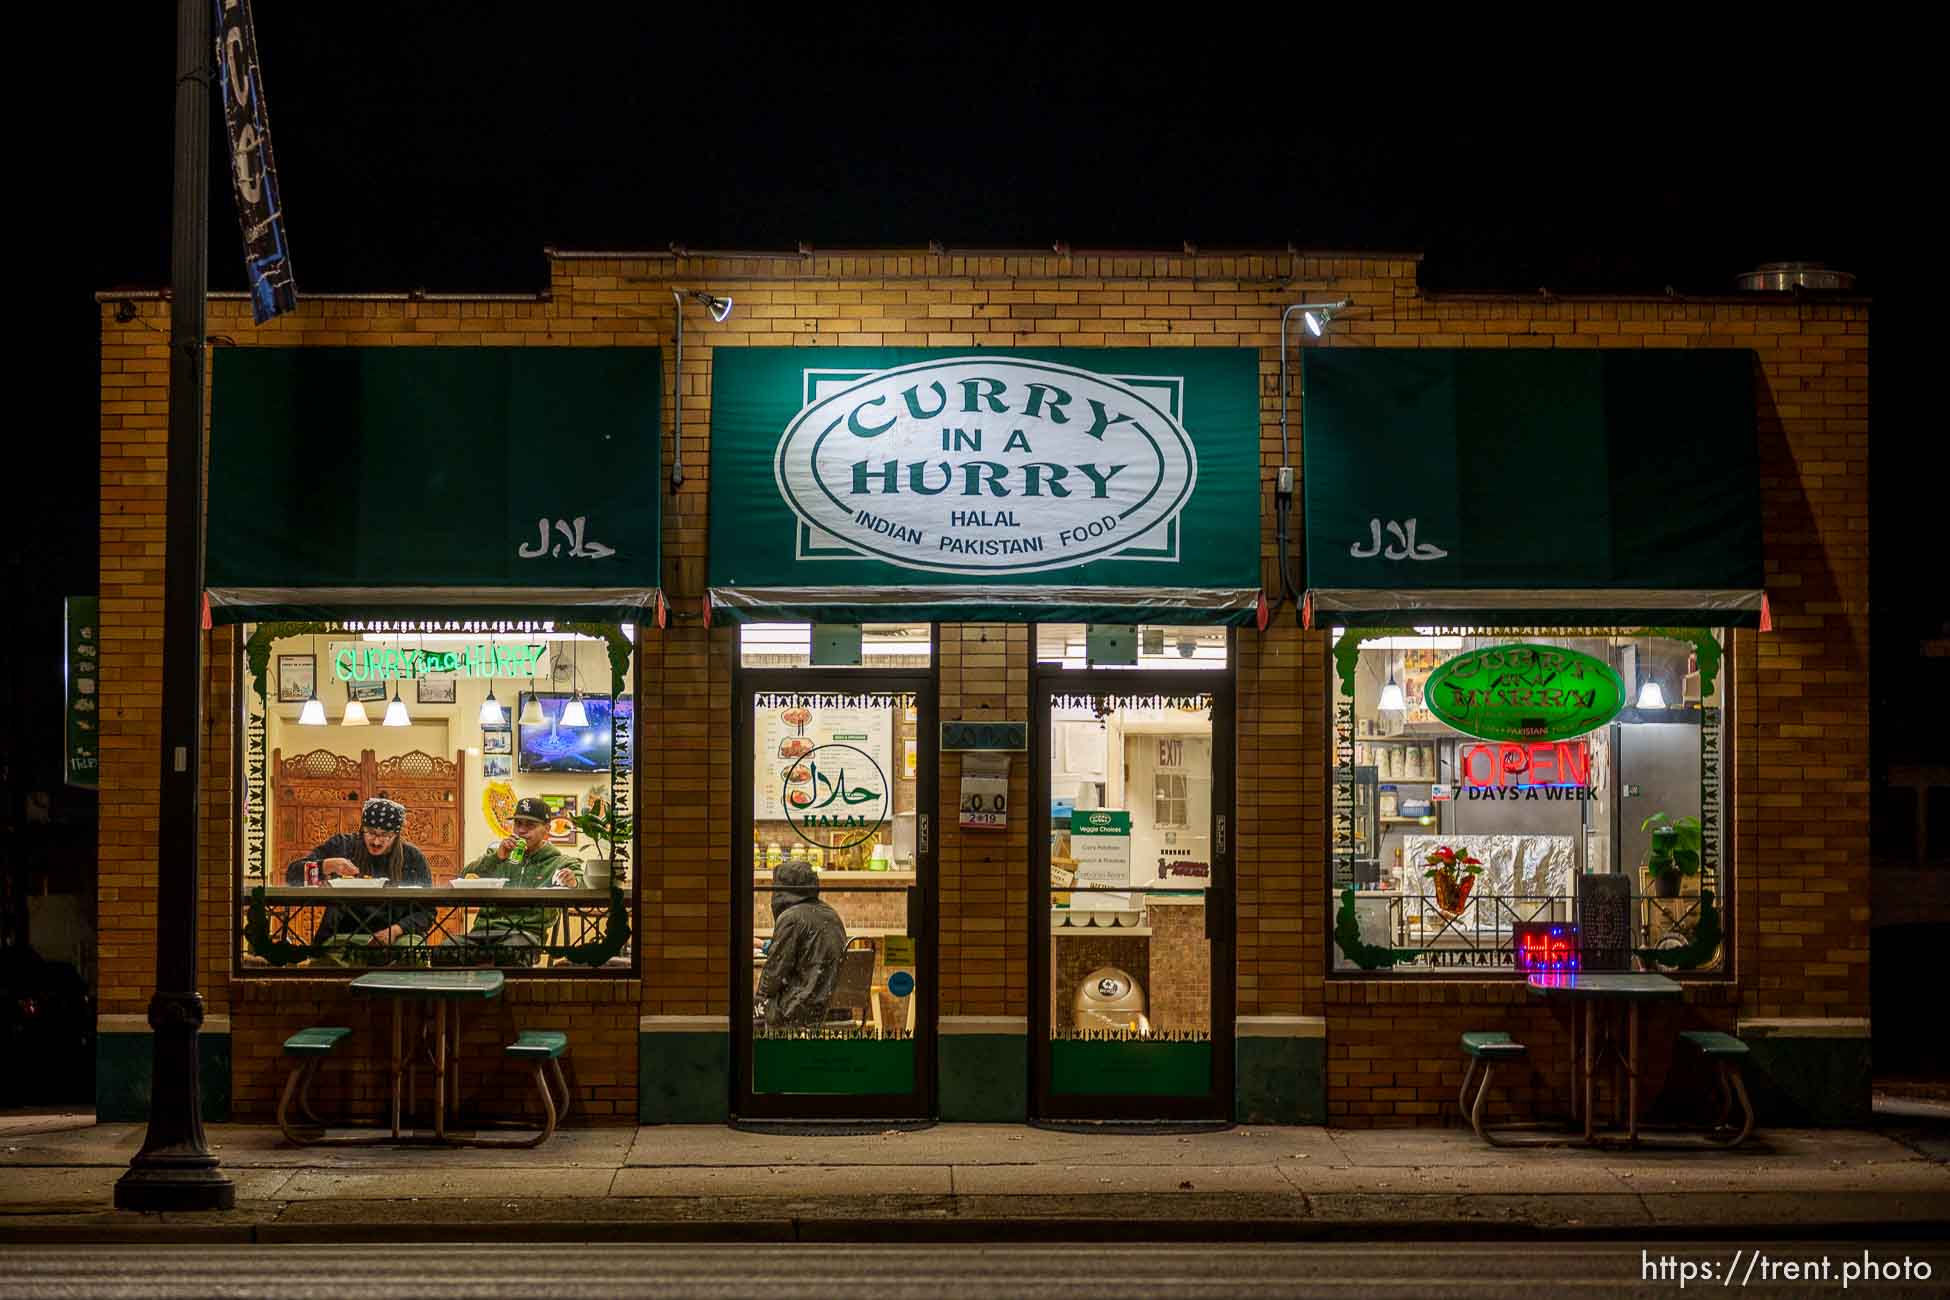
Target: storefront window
{"x": 1484, "y": 782}
{"x": 1153, "y": 645}
{"x": 793, "y": 645}
{"x": 436, "y": 793}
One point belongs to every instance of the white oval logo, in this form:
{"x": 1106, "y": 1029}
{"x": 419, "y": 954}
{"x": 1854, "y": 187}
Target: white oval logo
{"x": 988, "y": 465}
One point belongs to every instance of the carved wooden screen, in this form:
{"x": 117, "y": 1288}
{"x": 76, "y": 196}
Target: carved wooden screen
{"x": 430, "y": 787}
{"x": 317, "y": 795}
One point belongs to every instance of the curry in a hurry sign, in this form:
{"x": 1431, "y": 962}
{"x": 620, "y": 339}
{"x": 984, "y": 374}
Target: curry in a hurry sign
{"x": 990, "y": 485}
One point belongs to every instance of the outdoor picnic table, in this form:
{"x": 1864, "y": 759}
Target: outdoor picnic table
{"x": 1594, "y": 995}
{"x": 437, "y": 987}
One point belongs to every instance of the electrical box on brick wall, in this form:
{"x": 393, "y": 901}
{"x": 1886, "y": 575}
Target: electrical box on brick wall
{"x": 984, "y": 792}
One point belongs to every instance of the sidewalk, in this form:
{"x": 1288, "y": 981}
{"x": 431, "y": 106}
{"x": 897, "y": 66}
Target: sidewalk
{"x": 991, "y": 1182}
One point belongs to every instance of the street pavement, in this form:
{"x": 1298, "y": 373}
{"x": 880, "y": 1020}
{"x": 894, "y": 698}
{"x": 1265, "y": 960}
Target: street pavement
{"x": 975, "y": 1272}
{"x": 984, "y": 1182}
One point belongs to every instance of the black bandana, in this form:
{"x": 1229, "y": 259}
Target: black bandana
{"x": 383, "y": 815}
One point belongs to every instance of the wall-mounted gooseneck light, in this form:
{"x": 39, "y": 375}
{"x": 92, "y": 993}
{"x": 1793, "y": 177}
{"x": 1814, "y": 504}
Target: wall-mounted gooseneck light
{"x": 720, "y": 308}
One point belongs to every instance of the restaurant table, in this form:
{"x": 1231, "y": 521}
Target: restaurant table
{"x": 1590, "y": 992}
{"x": 438, "y": 987}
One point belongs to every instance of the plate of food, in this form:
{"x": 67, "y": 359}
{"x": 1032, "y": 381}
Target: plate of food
{"x": 795, "y": 747}
{"x": 358, "y": 882}
{"x": 479, "y": 882}
{"x": 799, "y": 798}
{"x": 798, "y": 774}
{"x": 796, "y": 717}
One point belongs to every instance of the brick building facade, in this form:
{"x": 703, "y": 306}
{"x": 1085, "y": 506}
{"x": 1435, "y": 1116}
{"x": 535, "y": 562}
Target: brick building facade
{"x": 1312, "y": 1047}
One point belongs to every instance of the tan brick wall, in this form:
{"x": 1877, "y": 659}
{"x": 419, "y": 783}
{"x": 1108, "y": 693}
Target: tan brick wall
{"x": 1798, "y": 730}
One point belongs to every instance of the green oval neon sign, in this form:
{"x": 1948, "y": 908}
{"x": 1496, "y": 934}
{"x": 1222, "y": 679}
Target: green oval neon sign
{"x": 1524, "y": 692}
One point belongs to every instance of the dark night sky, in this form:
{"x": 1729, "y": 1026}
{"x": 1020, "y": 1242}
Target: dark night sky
{"x": 441, "y": 145}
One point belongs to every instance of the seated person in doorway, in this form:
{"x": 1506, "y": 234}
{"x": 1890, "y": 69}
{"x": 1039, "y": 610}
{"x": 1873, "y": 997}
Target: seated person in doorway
{"x": 802, "y": 963}
{"x": 514, "y": 936}
{"x": 366, "y": 936}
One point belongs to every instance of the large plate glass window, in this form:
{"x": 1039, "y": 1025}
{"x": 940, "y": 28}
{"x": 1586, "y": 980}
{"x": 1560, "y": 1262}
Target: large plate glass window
{"x": 1548, "y": 756}
{"x": 454, "y": 730}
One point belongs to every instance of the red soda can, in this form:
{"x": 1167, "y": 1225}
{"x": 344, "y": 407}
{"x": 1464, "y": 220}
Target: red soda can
{"x": 314, "y": 875}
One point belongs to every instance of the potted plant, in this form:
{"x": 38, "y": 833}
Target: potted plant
{"x": 1674, "y": 852}
{"x": 602, "y": 823}
{"x": 1454, "y": 872}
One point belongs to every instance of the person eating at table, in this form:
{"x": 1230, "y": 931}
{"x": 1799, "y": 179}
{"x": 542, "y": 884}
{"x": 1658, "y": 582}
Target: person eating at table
{"x": 513, "y": 936}
{"x": 365, "y": 936}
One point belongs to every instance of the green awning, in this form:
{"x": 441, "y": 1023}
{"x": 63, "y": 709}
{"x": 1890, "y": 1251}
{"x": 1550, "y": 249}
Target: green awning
{"x": 1606, "y": 488}
{"x": 371, "y": 482}
{"x": 897, "y": 484}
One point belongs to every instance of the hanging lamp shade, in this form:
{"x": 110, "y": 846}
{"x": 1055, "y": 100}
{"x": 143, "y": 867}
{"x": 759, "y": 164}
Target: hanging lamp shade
{"x": 313, "y": 714}
{"x": 531, "y": 709}
{"x": 573, "y": 714}
{"x": 1392, "y": 699}
{"x": 1651, "y": 696}
{"x": 354, "y": 715}
{"x": 492, "y": 714}
{"x": 396, "y": 711}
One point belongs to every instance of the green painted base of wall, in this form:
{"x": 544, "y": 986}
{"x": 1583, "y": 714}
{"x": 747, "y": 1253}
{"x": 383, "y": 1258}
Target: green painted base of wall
{"x": 1130, "y": 1068}
{"x": 984, "y": 1079}
{"x": 833, "y": 1067}
{"x": 122, "y": 1069}
{"x": 1280, "y": 1081}
{"x": 1818, "y": 1082}
{"x": 683, "y": 1078}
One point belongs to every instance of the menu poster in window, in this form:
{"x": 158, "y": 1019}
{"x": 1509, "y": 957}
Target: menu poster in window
{"x": 786, "y": 734}
{"x": 1100, "y": 843}
{"x": 1605, "y": 923}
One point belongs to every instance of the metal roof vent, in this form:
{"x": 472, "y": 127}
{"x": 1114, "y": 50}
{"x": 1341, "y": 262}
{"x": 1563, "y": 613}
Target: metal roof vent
{"x": 1779, "y": 277}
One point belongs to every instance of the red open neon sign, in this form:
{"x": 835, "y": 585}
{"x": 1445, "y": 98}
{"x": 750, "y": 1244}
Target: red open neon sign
{"x": 1549, "y": 946}
{"x": 1508, "y": 762}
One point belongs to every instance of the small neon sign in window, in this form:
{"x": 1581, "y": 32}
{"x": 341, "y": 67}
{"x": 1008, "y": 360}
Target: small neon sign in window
{"x": 1545, "y": 947}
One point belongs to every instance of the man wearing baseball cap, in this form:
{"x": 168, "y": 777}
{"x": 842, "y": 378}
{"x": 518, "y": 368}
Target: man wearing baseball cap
{"x": 513, "y": 936}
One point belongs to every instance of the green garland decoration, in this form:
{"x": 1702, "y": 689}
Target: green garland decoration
{"x": 1368, "y": 956}
{"x": 1706, "y": 648}
{"x": 616, "y": 933}
{"x": 1697, "y": 952}
{"x": 257, "y": 934}
{"x": 619, "y": 650}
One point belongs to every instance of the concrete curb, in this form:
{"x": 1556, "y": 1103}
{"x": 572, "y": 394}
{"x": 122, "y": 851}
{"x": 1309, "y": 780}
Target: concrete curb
{"x": 1042, "y": 1231}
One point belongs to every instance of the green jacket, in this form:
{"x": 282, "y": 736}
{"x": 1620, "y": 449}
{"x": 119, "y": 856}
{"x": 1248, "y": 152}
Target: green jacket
{"x": 536, "y": 871}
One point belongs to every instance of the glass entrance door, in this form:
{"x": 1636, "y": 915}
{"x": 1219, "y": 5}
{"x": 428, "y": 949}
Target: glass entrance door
{"x": 1132, "y": 896}
{"x": 833, "y": 990}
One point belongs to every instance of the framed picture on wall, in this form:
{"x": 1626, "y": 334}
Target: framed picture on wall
{"x": 497, "y": 740}
{"x": 366, "y": 692}
{"x": 437, "y": 690}
{"x": 297, "y": 678}
{"x": 561, "y": 830}
{"x": 495, "y": 766}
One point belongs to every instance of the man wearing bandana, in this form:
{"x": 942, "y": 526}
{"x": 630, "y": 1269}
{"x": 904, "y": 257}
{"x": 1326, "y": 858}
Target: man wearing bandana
{"x": 365, "y": 936}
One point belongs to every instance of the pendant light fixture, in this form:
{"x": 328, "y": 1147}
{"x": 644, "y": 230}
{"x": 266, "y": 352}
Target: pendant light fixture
{"x": 492, "y": 714}
{"x": 1650, "y": 694}
{"x": 1392, "y": 699}
{"x": 396, "y": 711}
{"x": 313, "y": 714}
{"x": 531, "y": 708}
{"x": 573, "y": 714}
{"x": 355, "y": 710}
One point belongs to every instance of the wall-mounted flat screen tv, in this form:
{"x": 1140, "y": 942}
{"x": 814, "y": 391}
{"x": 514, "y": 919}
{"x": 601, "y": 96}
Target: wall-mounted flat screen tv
{"x": 549, "y": 746}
